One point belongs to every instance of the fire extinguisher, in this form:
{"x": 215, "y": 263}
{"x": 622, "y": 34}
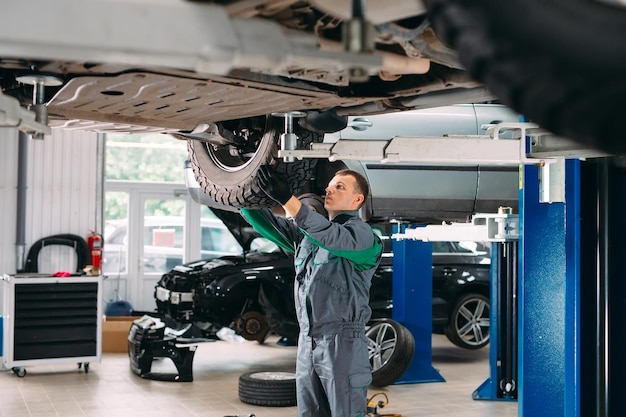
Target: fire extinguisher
{"x": 95, "y": 246}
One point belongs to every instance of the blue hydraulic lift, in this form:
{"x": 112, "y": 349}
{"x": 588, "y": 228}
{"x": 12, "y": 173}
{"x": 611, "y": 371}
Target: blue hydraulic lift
{"x": 565, "y": 355}
{"x": 412, "y": 295}
{"x": 572, "y": 293}
{"x": 556, "y": 328}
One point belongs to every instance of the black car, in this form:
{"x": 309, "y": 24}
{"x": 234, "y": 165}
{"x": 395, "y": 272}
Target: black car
{"x": 253, "y": 293}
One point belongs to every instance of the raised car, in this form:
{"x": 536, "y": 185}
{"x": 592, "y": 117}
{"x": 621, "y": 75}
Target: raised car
{"x": 222, "y": 74}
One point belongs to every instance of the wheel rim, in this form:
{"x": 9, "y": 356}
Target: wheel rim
{"x": 231, "y": 158}
{"x": 273, "y": 376}
{"x": 381, "y": 343}
{"x": 472, "y": 323}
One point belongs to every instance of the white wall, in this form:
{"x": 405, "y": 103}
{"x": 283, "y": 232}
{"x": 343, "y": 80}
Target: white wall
{"x": 62, "y": 186}
{"x": 8, "y": 198}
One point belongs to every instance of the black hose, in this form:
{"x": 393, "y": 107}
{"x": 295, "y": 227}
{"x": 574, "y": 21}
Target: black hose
{"x": 79, "y": 244}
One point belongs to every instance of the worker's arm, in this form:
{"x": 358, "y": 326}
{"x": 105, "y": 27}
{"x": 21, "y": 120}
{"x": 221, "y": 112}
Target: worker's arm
{"x": 352, "y": 241}
{"x": 277, "y": 229}
{"x": 292, "y": 206}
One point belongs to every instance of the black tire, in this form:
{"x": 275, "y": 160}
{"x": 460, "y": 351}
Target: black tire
{"x": 390, "y": 348}
{"x": 469, "y": 323}
{"x": 561, "y": 65}
{"x": 228, "y": 174}
{"x": 268, "y": 388}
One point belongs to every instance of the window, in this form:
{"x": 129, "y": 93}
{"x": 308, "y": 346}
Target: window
{"x": 220, "y": 240}
{"x": 158, "y": 158}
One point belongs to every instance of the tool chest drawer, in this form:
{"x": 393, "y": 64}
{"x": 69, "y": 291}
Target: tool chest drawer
{"x": 51, "y": 320}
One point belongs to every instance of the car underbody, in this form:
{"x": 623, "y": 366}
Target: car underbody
{"x": 121, "y": 93}
{"x": 216, "y": 73}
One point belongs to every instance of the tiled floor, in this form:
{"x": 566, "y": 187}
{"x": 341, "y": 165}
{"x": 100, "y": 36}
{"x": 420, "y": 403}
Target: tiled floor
{"x": 110, "y": 389}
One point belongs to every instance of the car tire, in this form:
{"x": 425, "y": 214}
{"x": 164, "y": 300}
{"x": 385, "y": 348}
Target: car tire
{"x": 561, "y": 66}
{"x": 268, "y": 388}
{"x": 228, "y": 174}
{"x": 469, "y": 322}
{"x": 390, "y": 348}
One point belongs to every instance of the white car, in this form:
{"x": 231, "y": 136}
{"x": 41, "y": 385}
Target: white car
{"x": 163, "y": 243}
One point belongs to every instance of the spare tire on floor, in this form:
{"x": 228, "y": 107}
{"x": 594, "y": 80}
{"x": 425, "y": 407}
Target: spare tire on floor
{"x": 268, "y": 388}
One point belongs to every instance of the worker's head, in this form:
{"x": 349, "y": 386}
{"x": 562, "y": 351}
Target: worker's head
{"x": 347, "y": 190}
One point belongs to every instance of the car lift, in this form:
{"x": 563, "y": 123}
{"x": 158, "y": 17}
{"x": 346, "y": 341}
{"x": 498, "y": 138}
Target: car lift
{"x": 413, "y": 261}
{"x": 495, "y": 148}
{"x": 536, "y": 358}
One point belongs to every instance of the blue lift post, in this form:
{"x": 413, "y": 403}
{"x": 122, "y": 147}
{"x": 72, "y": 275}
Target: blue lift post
{"x": 412, "y": 292}
{"x": 571, "y": 295}
{"x": 549, "y": 327}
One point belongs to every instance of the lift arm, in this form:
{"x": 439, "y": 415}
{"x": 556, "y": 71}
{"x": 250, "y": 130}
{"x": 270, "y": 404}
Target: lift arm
{"x": 13, "y": 115}
{"x": 485, "y": 227}
{"x": 506, "y": 144}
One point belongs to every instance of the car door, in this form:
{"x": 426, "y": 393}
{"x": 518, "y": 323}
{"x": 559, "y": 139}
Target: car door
{"x": 459, "y": 119}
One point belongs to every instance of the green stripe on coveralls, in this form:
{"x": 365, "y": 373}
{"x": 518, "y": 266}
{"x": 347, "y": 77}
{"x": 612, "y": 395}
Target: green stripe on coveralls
{"x": 363, "y": 259}
{"x": 267, "y": 229}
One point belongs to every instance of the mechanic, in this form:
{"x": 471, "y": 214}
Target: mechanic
{"x": 335, "y": 260}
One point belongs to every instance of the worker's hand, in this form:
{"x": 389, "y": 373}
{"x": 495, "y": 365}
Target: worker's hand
{"x": 275, "y": 185}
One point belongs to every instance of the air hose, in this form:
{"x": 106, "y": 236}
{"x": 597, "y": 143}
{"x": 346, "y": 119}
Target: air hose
{"x": 372, "y": 406}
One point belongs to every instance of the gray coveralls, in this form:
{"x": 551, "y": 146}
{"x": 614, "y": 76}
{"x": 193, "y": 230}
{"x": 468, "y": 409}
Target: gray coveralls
{"x": 335, "y": 261}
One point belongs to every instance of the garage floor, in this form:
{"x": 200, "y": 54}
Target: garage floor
{"x": 110, "y": 389}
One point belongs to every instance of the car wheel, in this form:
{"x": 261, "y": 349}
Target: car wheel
{"x": 228, "y": 173}
{"x": 268, "y": 388}
{"x": 561, "y": 66}
{"x": 468, "y": 324}
{"x": 390, "y": 348}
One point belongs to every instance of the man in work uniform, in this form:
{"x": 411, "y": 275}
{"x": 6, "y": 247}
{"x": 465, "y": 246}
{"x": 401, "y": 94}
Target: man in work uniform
{"x": 334, "y": 260}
